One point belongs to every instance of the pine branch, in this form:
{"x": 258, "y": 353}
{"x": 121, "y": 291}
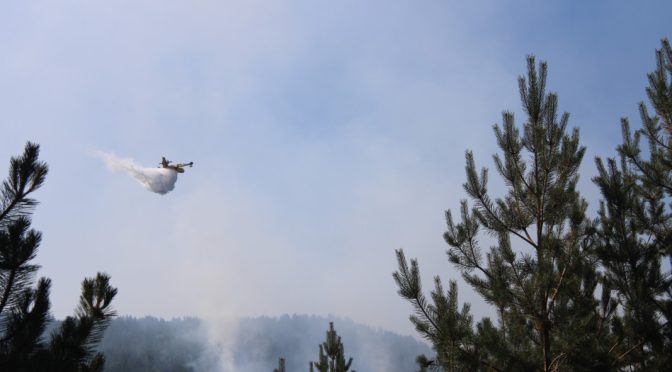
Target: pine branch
{"x": 502, "y": 224}
{"x": 556, "y": 290}
{"x": 624, "y": 354}
{"x": 26, "y": 174}
{"x": 555, "y": 363}
{"x": 409, "y": 286}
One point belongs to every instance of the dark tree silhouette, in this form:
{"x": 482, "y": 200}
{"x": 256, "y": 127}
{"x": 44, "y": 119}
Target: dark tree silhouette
{"x": 541, "y": 274}
{"x": 332, "y": 354}
{"x": 281, "y": 365}
{"x": 635, "y": 231}
{"x": 24, "y": 309}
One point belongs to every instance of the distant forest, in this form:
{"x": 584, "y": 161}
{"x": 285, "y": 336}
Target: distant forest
{"x": 250, "y": 344}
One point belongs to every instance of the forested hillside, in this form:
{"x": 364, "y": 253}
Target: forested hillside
{"x": 251, "y": 344}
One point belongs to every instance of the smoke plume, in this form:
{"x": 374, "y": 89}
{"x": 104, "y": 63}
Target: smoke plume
{"x": 158, "y": 180}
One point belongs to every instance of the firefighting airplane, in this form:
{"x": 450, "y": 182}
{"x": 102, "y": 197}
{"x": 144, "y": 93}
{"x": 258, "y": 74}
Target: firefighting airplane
{"x": 179, "y": 168}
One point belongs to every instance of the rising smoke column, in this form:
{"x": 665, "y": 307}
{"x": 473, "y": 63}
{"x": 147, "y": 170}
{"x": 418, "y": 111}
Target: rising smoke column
{"x": 158, "y": 180}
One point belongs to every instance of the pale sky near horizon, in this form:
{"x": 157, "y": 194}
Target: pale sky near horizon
{"x": 324, "y": 136}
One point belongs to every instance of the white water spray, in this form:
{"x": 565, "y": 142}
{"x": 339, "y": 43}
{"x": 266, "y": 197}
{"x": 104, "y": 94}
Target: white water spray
{"x": 158, "y": 180}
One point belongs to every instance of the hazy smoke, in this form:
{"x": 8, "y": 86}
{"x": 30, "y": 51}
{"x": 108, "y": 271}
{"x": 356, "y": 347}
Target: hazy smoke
{"x": 249, "y": 344}
{"x": 158, "y": 180}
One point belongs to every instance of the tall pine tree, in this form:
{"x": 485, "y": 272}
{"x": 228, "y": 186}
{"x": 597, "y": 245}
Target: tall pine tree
{"x": 24, "y": 309}
{"x": 540, "y": 276}
{"x": 635, "y": 231}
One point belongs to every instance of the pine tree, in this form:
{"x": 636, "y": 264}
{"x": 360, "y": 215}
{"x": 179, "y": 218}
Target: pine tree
{"x": 540, "y": 276}
{"x": 635, "y": 233}
{"x": 281, "y": 365}
{"x": 24, "y": 310}
{"x": 332, "y": 354}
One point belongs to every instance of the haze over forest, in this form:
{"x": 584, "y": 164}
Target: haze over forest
{"x": 250, "y": 344}
{"x": 324, "y": 136}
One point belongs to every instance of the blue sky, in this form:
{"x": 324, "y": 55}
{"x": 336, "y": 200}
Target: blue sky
{"x": 324, "y": 135}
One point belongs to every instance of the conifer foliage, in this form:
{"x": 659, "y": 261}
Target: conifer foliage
{"x": 570, "y": 293}
{"x": 635, "y": 231}
{"x": 24, "y": 309}
{"x": 539, "y": 276}
{"x": 331, "y": 357}
{"x": 332, "y": 354}
{"x": 281, "y": 365}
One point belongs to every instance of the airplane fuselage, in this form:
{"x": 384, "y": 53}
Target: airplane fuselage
{"x": 179, "y": 168}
